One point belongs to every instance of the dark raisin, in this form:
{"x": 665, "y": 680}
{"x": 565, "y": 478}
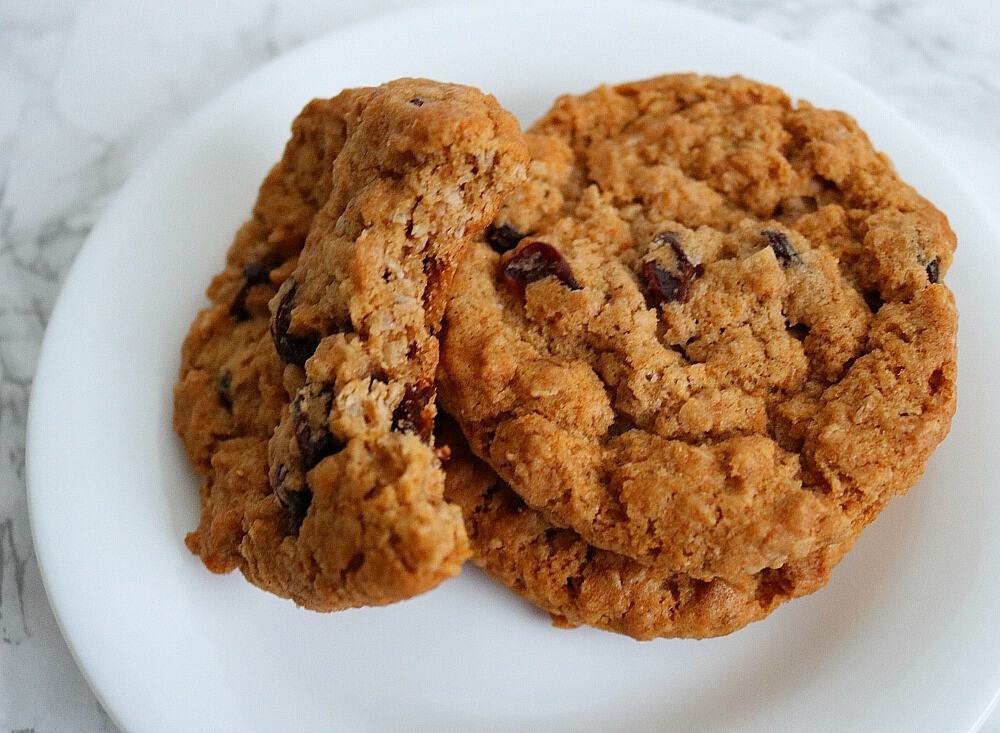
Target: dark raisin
{"x": 296, "y": 505}
{"x": 874, "y": 300}
{"x": 291, "y": 349}
{"x": 824, "y": 184}
{"x": 537, "y": 261}
{"x": 355, "y": 563}
{"x": 783, "y": 250}
{"x": 254, "y": 273}
{"x": 239, "y": 307}
{"x": 413, "y": 414}
{"x": 661, "y": 285}
{"x": 417, "y": 102}
{"x": 664, "y": 286}
{"x": 799, "y": 331}
{"x": 310, "y": 412}
{"x": 280, "y": 483}
{"x": 934, "y": 271}
{"x": 679, "y": 349}
{"x": 574, "y": 584}
{"x": 295, "y": 499}
{"x": 278, "y": 479}
{"x": 621, "y": 425}
{"x": 223, "y": 389}
{"x": 503, "y": 238}
{"x": 936, "y": 381}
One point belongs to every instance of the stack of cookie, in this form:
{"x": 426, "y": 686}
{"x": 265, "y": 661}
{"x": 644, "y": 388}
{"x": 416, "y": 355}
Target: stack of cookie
{"x": 653, "y": 364}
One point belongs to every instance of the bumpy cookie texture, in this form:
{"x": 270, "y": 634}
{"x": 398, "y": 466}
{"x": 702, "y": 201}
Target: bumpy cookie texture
{"x": 229, "y": 397}
{"x": 357, "y": 515}
{"x": 710, "y": 333}
{"x": 330, "y": 492}
{"x": 579, "y": 584}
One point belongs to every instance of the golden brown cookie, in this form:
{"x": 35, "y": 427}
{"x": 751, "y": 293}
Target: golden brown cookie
{"x": 710, "y": 332}
{"x": 334, "y": 496}
{"x": 230, "y": 395}
{"x": 577, "y": 583}
{"x": 352, "y": 464}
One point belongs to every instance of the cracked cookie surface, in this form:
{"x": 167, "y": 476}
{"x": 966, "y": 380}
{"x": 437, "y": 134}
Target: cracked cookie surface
{"x": 331, "y": 492}
{"x": 710, "y": 333}
{"x": 577, "y": 583}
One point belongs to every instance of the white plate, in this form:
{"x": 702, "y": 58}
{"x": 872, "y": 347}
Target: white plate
{"x": 904, "y": 638}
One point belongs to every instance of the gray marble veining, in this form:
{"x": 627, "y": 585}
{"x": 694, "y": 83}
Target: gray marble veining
{"x": 81, "y": 104}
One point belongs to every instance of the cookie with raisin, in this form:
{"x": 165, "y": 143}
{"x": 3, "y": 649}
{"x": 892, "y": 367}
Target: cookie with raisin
{"x": 711, "y": 333}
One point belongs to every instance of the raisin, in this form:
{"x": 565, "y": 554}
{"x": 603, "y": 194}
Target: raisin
{"x": 825, "y": 185}
{"x": 413, "y": 414}
{"x": 223, "y": 390}
{"x": 680, "y": 349}
{"x": 783, "y": 250}
{"x": 295, "y": 500}
{"x": 661, "y": 285}
{"x": 934, "y": 271}
{"x": 296, "y": 507}
{"x": 291, "y": 349}
{"x": 874, "y": 300}
{"x": 355, "y": 563}
{"x": 503, "y": 238}
{"x": 310, "y": 413}
{"x": 537, "y": 261}
{"x": 664, "y": 286}
{"x": 621, "y": 425}
{"x": 574, "y": 584}
{"x": 799, "y": 331}
{"x": 254, "y": 273}
{"x": 936, "y": 381}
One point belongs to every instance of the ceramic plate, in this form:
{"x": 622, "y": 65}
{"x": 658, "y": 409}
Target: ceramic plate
{"x": 904, "y": 637}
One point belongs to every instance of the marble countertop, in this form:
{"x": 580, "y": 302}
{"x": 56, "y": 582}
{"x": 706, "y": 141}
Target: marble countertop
{"x": 83, "y": 101}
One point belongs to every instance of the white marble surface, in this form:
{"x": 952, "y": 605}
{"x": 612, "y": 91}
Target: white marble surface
{"x": 88, "y": 88}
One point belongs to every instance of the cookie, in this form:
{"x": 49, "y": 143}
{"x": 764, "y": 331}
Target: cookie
{"x": 579, "y": 584}
{"x": 352, "y": 462}
{"x": 230, "y": 395}
{"x": 710, "y": 333}
{"x": 342, "y": 490}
